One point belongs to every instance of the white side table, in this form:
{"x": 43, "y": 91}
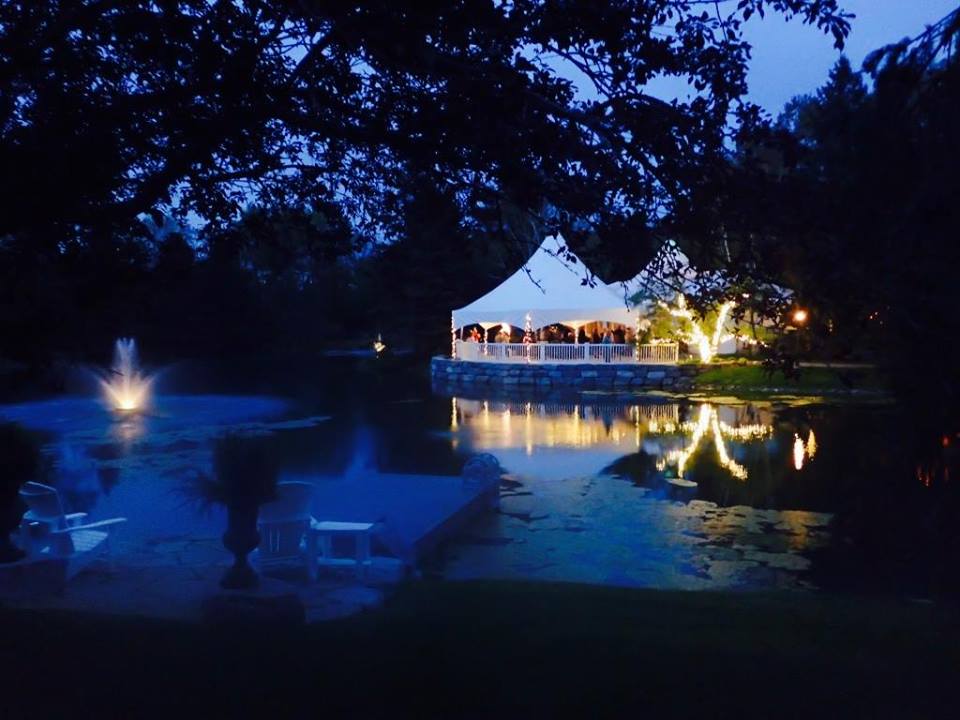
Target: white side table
{"x": 321, "y": 534}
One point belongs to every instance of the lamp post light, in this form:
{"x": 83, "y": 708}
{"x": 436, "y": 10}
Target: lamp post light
{"x": 799, "y": 319}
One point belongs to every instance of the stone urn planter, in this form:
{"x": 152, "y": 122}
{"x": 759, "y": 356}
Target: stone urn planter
{"x": 481, "y": 470}
{"x": 241, "y": 538}
{"x": 482, "y": 473}
{"x": 19, "y": 462}
{"x": 11, "y": 511}
{"x": 244, "y": 478}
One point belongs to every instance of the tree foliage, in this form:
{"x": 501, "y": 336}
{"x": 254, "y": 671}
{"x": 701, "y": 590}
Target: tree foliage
{"x": 114, "y": 109}
{"x": 849, "y": 201}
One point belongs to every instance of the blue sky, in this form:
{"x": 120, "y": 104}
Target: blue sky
{"x": 790, "y": 58}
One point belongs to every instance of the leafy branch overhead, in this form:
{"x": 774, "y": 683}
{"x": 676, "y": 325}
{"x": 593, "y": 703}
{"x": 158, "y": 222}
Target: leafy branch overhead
{"x": 109, "y": 110}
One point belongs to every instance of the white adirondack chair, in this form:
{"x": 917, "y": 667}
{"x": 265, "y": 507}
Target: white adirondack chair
{"x": 283, "y": 525}
{"x": 47, "y": 534}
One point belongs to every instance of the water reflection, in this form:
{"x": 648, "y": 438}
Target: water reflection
{"x": 493, "y": 425}
{"x": 708, "y": 421}
{"x": 713, "y": 500}
{"x": 127, "y": 430}
{"x": 803, "y": 451}
{"x": 673, "y": 434}
{"x": 866, "y": 480}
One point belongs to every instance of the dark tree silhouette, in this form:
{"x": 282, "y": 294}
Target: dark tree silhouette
{"x": 114, "y": 109}
{"x": 850, "y": 200}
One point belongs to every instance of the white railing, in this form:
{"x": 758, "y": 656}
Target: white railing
{"x": 662, "y": 353}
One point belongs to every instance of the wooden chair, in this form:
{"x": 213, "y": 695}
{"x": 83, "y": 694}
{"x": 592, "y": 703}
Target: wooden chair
{"x": 283, "y": 526}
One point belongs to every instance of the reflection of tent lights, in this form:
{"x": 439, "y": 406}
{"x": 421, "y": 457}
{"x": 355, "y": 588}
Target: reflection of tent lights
{"x": 559, "y": 425}
{"x": 708, "y": 419}
{"x": 527, "y": 416}
{"x": 528, "y": 425}
{"x": 556, "y": 425}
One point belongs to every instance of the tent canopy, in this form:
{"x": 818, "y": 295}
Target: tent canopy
{"x": 659, "y": 278}
{"x": 670, "y": 271}
{"x": 550, "y": 290}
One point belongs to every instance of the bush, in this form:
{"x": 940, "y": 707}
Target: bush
{"x": 244, "y": 474}
{"x": 19, "y": 458}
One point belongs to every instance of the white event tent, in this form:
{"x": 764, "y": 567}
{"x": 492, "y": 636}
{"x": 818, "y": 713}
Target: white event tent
{"x": 549, "y": 290}
{"x": 659, "y": 279}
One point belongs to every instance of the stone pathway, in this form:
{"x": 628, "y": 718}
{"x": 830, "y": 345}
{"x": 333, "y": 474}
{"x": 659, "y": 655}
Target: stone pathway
{"x": 172, "y": 578}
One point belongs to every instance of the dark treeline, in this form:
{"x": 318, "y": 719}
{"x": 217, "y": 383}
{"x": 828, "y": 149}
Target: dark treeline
{"x": 294, "y": 281}
{"x": 864, "y": 212}
{"x": 849, "y": 200}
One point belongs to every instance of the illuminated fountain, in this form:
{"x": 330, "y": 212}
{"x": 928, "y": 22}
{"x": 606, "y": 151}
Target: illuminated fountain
{"x": 125, "y": 388}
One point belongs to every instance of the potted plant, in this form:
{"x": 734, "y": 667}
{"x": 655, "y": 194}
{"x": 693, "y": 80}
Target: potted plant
{"x": 19, "y": 462}
{"x": 244, "y": 478}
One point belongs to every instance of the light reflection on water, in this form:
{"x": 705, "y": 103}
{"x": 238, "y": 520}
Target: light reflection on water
{"x": 595, "y": 494}
{"x": 589, "y": 501}
{"x": 570, "y": 515}
{"x": 606, "y": 432}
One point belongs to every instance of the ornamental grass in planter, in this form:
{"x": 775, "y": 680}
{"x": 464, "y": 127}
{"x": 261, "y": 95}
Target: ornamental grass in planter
{"x": 244, "y": 477}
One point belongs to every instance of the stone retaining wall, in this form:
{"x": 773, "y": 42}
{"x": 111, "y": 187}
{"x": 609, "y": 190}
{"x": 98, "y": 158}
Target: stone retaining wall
{"x": 556, "y": 376}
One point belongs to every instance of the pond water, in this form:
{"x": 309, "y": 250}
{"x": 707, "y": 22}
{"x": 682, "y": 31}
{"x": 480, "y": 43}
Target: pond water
{"x": 648, "y": 491}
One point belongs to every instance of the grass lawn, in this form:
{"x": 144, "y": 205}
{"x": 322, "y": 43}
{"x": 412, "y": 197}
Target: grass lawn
{"x": 749, "y": 376}
{"x": 503, "y": 650}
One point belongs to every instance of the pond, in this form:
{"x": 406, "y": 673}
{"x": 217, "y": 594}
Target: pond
{"x": 646, "y": 491}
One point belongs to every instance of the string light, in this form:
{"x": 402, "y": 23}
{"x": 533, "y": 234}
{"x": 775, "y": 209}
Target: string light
{"x": 707, "y": 346}
{"x": 708, "y": 419}
{"x": 732, "y": 466}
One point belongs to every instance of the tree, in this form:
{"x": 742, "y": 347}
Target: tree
{"x": 114, "y": 109}
{"x": 850, "y": 202}
{"x": 433, "y": 265}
